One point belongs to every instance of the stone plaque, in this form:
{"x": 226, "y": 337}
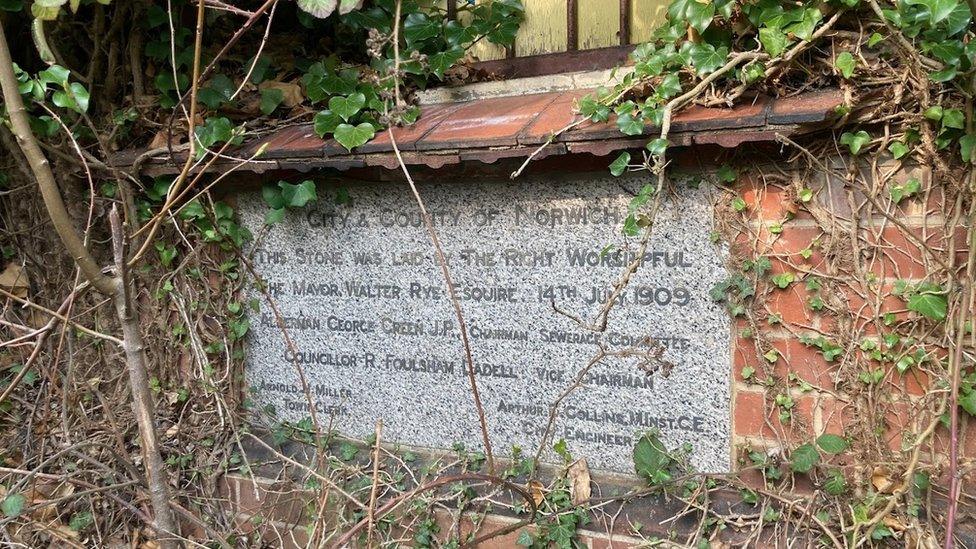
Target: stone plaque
{"x": 366, "y": 305}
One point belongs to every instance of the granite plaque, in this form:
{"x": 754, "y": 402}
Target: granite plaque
{"x": 365, "y": 303}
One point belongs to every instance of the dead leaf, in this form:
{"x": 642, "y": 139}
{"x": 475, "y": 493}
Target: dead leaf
{"x": 579, "y": 481}
{"x": 881, "y": 481}
{"x": 535, "y": 488}
{"x": 894, "y": 523}
{"x": 14, "y": 280}
{"x": 291, "y": 91}
{"x": 158, "y": 140}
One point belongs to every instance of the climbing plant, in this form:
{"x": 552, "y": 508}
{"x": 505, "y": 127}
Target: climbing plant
{"x": 201, "y": 78}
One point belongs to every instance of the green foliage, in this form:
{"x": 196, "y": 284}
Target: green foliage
{"x": 618, "y": 166}
{"x": 350, "y": 136}
{"x": 13, "y": 505}
{"x": 652, "y": 461}
{"x": 216, "y": 130}
{"x": 926, "y": 298}
{"x": 283, "y": 195}
{"x": 832, "y": 444}
{"x": 845, "y": 64}
{"x": 804, "y": 458}
{"x": 855, "y": 141}
{"x": 908, "y": 189}
{"x": 271, "y": 98}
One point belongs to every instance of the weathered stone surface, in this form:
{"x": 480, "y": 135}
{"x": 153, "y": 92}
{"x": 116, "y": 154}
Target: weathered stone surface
{"x": 366, "y": 306}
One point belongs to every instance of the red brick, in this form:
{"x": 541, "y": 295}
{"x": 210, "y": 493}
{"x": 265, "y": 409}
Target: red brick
{"x": 770, "y": 202}
{"x": 279, "y": 501}
{"x": 835, "y": 416}
{"x": 896, "y": 254}
{"x": 604, "y": 542}
{"x": 804, "y": 361}
{"x": 791, "y": 304}
{"x": 751, "y": 415}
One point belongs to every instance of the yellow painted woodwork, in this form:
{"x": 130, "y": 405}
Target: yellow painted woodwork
{"x": 645, "y": 17}
{"x": 544, "y": 28}
{"x": 598, "y": 23}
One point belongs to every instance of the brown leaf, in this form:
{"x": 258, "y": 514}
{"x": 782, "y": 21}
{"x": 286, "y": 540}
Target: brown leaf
{"x": 579, "y": 481}
{"x": 535, "y": 488}
{"x": 881, "y": 481}
{"x": 14, "y": 280}
{"x": 291, "y": 91}
{"x": 158, "y": 140}
{"x": 894, "y": 524}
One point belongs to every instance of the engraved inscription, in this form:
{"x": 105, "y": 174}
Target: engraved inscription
{"x": 362, "y": 297}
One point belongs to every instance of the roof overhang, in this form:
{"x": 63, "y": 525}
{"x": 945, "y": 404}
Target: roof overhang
{"x": 489, "y": 129}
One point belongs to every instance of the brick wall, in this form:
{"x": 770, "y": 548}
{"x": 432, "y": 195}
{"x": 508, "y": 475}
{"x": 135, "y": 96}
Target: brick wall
{"x": 826, "y": 398}
{"x": 856, "y": 292}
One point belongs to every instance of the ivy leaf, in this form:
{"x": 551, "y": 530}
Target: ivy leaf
{"x": 274, "y": 216}
{"x": 706, "y": 58}
{"x": 350, "y": 136}
{"x": 930, "y": 305}
{"x": 968, "y": 401}
{"x": 944, "y": 75}
{"x": 74, "y": 97}
{"x": 630, "y": 124}
{"x": 753, "y": 72}
{"x": 966, "y": 144}
{"x": 650, "y": 458}
{"x": 938, "y": 9}
{"x": 272, "y": 196}
{"x": 593, "y": 109}
{"x": 832, "y": 444}
{"x": 773, "y": 40}
{"x": 669, "y": 87}
{"x": 897, "y": 149}
{"x": 901, "y": 192}
{"x": 325, "y": 122}
{"x": 618, "y": 166}
{"x": 804, "y": 458}
{"x": 13, "y": 505}
{"x": 727, "y": 174}
{"x": 803, "y": 29}
{"x": 418, "y": 27}
{"x": 697, "y": 14}
{"x": 347, "y": 107}
{"x": 213, "y": 131}
{"x": 317, "y": 8}
{"x": 783, "y": 280}
{"x": 657, "y": 147}
{"x": 953, "y": 118}
{"x": 845, "y": 64}
{"x": 270, "y": 99}
{"x": 855, "y": 141}
{"x": 441, "y": 61}
{"x": 958, "y": 19}
{"x": 296, "y": 196}
{"x": 55, "y": 74}
{"x": 346, "y": 6}
{"x": 875, "y": 39}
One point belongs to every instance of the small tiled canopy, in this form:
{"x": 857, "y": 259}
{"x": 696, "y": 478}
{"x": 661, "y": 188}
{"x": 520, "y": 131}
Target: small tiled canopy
{"x": 509, "y": 127}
